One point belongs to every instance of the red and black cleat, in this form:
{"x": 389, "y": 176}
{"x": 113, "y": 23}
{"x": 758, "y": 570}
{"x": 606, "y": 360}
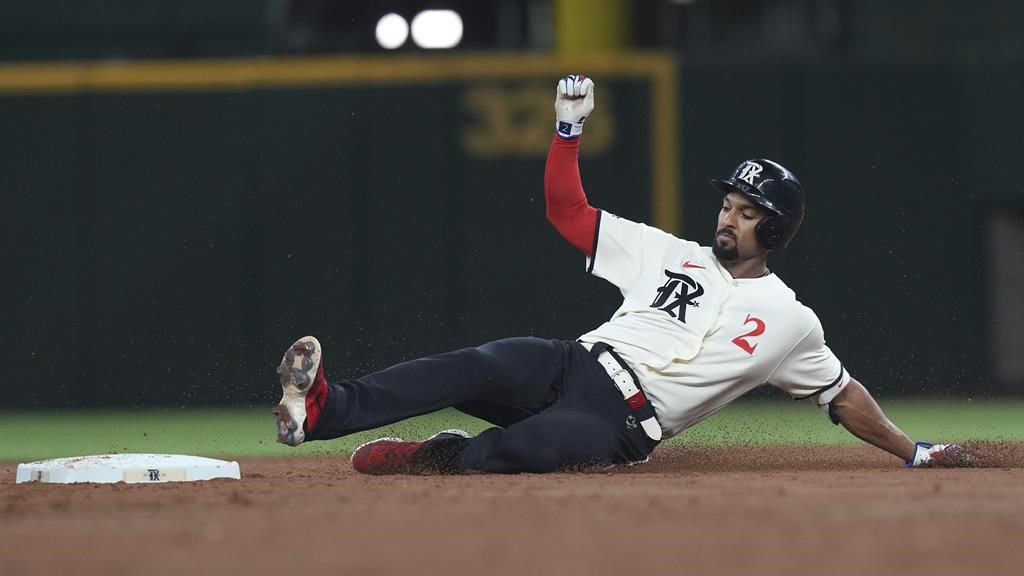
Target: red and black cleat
{"x": 386, "y": 456}
{"x": 396, "y": 456}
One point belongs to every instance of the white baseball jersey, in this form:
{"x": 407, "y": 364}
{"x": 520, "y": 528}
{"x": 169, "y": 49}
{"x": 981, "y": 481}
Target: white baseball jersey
{"x": 698, "y": 338}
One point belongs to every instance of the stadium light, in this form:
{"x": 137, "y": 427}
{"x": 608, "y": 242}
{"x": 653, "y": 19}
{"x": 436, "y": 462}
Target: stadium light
{"x": 437, "y": 29}
{"x": 392, "y": 31}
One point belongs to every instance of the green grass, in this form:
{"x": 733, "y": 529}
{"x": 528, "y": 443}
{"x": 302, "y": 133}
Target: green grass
{"x": 245, "y": 432}
{"x": 218, "y": 432}
{"x": 788, "y": 422}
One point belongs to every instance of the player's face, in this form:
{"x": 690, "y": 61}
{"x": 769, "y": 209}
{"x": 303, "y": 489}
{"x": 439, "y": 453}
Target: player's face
{"x": 734, "y": 236}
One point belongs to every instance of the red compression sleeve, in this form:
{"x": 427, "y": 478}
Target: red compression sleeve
{"x": 567, "y": 207}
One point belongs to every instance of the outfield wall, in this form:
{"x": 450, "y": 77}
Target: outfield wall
{"x": 178, "y": 224}
{"x": 172, "y": 226}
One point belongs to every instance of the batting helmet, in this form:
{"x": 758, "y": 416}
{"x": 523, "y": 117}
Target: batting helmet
{"x": 775, "y": 189}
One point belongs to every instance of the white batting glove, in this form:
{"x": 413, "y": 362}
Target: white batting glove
{"x": 574, "y": 101}
{"x": 929, "y": 454}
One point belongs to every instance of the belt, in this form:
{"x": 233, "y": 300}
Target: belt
{"x": 629, "y": 385}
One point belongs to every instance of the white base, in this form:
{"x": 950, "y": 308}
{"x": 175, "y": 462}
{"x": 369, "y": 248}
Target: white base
{"x": 129, "y": 468}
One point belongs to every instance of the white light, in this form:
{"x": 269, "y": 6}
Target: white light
{"x": 392, "y": 31}
{"x": 437, "y": 29}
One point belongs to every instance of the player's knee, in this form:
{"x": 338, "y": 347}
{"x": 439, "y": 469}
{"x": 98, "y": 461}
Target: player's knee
{"x": 501, "y": 356}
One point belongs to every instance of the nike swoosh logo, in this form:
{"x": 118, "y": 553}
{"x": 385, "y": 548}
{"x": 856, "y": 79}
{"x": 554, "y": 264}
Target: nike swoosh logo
{"x": 688, "y": 265}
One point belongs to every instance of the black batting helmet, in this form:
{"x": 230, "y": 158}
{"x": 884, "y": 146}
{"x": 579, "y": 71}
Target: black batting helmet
{"x": 775, "y": 189}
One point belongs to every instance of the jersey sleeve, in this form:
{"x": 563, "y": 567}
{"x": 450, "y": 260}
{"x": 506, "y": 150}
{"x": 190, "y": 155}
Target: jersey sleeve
{"x": 811, "y": 371}
{"x": 566, "y": 202}
{"x": 618, "y": 252}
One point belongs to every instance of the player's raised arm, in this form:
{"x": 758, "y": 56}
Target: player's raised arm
{"x": 567, "y": 206}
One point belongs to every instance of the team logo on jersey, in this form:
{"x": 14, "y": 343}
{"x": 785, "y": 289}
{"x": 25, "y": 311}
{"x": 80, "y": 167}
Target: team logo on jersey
{"x": 751, "y": 171}
{"x": 678, "y": 292}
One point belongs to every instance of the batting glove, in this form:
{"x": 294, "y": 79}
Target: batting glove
{"x": 926, "y": 454}
{"x": 574, "y": 101}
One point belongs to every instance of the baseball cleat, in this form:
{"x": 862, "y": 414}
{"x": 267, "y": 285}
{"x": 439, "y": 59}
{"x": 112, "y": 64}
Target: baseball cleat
{"x": 298, "y": 372}
{"x": 396, "y": 456}
{"x": 385, "y": 456}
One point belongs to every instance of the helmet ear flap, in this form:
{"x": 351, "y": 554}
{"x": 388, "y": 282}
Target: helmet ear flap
{"x": 772, "y": 233}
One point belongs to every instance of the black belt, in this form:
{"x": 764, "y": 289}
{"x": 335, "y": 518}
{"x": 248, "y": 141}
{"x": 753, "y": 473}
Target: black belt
{"x": 629, "y": 385}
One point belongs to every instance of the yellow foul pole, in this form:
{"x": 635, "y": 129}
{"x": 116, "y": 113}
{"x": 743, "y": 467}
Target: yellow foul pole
{"x": 588, "y": 26}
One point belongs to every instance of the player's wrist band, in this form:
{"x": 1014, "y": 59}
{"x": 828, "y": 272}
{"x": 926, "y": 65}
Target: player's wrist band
{"x": 568, "y": 129}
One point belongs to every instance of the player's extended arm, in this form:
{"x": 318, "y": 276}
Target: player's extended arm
{"x": 567, "y": 206}
{"x": 858, "y": 412}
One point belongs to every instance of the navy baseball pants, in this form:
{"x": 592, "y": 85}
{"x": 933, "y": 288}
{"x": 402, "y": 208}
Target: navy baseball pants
{"x": 553, "y": 405}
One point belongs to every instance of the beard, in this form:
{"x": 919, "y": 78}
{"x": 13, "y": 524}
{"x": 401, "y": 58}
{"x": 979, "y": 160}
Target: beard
{"x": 722, "y": 253}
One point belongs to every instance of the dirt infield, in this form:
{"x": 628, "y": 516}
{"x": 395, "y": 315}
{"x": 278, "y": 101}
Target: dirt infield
{"x": 787, "y": 510}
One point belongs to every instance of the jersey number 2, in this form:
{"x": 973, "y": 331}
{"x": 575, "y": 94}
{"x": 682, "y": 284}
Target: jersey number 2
{"x": 742, "y": 341}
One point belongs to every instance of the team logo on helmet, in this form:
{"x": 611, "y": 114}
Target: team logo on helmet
{"x": 751, "y": 171}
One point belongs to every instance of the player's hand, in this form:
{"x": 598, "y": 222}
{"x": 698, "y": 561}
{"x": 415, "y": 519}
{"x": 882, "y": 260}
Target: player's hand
{"x": 926, "y": 454}
{"x": 574, "y": 101}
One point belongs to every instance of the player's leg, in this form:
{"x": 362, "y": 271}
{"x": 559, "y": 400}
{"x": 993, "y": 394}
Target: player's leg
{"x": 566, "y": 436}
{"x": 569, "y": 435}
{"x": 590, "y": 424}
{"x": 520, "y": 372}
{"x": 496, "y": 413}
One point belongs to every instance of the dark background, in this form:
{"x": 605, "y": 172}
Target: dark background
{"x": 165, "y": 246}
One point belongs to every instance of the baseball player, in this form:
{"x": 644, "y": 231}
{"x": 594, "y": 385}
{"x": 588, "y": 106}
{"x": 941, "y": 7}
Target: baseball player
{"x": 699, "y": 326}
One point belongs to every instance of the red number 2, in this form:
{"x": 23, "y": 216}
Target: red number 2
{"x": 757, "y": 331}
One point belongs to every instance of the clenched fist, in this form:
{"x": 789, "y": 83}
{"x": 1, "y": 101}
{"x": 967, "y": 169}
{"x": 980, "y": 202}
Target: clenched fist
{"x": 574, "y": 101}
